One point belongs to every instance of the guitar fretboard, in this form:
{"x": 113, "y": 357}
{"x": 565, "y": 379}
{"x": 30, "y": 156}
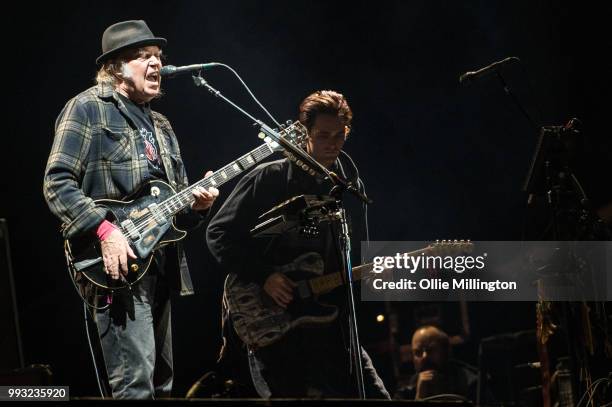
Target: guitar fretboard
{"x": 184, "y": 198}
{"x": 326, "y": 283}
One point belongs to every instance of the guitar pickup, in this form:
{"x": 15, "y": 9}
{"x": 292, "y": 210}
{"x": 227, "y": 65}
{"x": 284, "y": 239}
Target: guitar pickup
{"x": 303, "y": 289}
{"x": 159, "y": 217}
{"x": 130, "y": 229}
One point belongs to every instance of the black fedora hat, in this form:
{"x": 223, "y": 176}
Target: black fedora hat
{"x": 127, "y": 34}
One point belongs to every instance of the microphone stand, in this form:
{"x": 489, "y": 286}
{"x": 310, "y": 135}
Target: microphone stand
{"x": 344, "y": 240}
{"x": 340, "y": 186}
{"x": 553, "y": 178}
{"x": 512, "y": 96}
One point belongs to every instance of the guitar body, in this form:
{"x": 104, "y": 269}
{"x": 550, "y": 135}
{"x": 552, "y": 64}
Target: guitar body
{"x": 146, "y": 217}
{"x": 259, "y": 321}
{"x": 85, "y": 255}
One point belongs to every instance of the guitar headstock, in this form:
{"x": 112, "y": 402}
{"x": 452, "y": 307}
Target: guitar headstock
{"x": 294, "y": 132}
{"x": 450, "y": 247}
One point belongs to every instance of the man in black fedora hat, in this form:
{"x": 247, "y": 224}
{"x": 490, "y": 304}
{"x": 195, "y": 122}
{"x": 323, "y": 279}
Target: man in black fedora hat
{"x": 108, "y": 142}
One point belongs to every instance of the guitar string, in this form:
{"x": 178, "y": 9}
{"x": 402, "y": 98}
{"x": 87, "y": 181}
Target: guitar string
{"x": 258, "y": 154}
{"x": 142, "y": 225}
{"x": 174, "y": 204}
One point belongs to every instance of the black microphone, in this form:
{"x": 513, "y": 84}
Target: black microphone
{"x": 171, "y": 70}
{"x": 471, "y": 75}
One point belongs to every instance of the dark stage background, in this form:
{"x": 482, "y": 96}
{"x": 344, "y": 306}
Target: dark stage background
{"x": 440, "y": 160}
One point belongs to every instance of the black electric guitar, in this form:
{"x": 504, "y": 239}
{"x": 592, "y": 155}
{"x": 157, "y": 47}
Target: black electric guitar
{"x": 146, "y": 217}
{"x": 259, "y": 321}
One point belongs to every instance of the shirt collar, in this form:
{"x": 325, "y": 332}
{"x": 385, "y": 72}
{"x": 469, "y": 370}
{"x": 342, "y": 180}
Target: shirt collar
{"x": 107, "y": 91}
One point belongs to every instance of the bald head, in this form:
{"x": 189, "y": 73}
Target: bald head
{"x": 430, "y": 349}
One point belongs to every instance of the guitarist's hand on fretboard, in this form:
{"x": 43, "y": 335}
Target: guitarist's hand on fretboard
{"x": 204, "y": 198}
{"x": 280, "y": 288}
{"x": 115, "y": 252}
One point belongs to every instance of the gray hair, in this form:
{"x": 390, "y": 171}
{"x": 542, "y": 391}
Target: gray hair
{"x": 108, "y": 74}
{"x": 115, "y": 70}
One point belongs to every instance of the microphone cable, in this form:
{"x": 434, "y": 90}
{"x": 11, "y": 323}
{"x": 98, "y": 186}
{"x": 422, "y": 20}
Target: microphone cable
{"x": 232, "y": 70}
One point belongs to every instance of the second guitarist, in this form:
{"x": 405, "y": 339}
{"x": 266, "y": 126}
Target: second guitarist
{"x": 309, "y": 361}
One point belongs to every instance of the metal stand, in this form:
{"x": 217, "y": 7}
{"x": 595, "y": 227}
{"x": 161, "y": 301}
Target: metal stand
{"x": 553, "y": 179}
{"x": 344, "y": 240}
{"x": 355, "y": 344}
{"x": 512, "y": 96}
{"x": 571, "y": 219}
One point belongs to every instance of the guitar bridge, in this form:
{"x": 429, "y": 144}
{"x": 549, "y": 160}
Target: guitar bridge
{"x": 130, "y": 230}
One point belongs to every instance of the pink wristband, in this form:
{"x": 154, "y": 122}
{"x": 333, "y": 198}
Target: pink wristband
{"x": 105, "y": 229}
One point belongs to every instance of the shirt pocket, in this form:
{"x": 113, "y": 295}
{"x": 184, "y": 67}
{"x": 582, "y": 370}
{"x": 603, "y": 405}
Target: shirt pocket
{"x": 116, "y": 145}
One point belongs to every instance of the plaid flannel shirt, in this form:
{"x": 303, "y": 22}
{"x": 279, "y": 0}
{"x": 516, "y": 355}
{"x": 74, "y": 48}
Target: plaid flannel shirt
{"x": 97, "y": 153}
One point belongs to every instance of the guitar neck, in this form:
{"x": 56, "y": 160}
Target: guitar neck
{"x": 184, "y": 198}
{"x": 326, "y": 283}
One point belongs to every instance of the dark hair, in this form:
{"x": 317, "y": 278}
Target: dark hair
{"x": 325, "y": 102}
